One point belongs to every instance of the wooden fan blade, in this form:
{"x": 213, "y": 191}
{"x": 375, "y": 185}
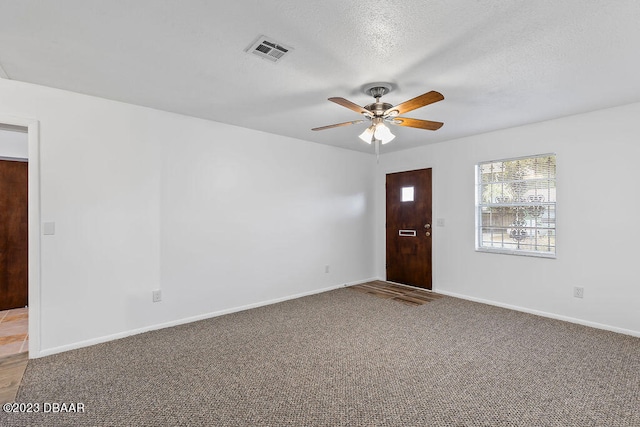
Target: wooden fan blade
{"x": 355, "y": 122}
{"x": 417, "y": 102}
{"x": 350, "y": 105}
{"x": 417, "y": 123}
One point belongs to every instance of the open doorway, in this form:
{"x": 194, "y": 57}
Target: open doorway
{"x": 19, "y": 150}
{"x": 20, "y": 316}
{"x": 14, "y": 237}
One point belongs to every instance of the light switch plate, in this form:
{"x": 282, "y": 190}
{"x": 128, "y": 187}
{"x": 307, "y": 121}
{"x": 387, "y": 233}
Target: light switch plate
{"x": 49, "y": 228}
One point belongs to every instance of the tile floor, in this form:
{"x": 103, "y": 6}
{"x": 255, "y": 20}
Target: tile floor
{"x": 14, "y": 347}
{"x": 14, "y": 331}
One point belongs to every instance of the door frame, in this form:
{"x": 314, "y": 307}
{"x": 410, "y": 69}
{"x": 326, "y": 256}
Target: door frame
{"x": 33, "y": 137}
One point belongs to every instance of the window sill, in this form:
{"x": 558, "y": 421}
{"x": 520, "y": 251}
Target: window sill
{"x": 517, "y": 253}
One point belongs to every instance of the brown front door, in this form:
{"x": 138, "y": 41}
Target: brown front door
{"x": 409, "y": 228}
{"x": 14, "y": 235}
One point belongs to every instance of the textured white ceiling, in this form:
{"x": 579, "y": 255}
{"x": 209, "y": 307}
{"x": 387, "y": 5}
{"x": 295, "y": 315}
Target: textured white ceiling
{"x": 498, "y": 63}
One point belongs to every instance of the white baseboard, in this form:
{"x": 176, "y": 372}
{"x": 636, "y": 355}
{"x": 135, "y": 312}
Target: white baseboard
{"x": 106, "y": 338}
{"x": 543, "y": 313}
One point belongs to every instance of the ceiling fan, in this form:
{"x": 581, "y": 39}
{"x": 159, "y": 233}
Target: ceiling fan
{"x": 380, "y": 112}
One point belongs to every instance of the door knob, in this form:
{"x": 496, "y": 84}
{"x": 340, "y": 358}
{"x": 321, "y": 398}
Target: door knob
{"x": 427, "y": 226}
{"x": 427, "y": 234}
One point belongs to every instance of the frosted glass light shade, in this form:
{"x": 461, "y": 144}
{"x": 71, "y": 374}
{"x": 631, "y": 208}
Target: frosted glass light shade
{"x": 383, "y": 133}
{"x": 367, "y": 135}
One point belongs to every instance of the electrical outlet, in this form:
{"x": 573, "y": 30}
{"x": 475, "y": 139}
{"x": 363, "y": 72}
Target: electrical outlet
{"x": 157, "y": 295}
{"x": 578, "y": 292}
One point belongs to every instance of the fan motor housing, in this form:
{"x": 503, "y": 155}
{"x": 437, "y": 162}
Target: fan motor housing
{"x": 378, "y": 108}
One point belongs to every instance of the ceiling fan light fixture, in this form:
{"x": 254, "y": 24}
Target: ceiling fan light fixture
{"x": 383, "y": 133}
{"x": 367, "y": 135}
{"x": 378, "y": 112}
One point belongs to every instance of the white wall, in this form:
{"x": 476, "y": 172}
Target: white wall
{"x": 260, "y": 216}
{"x": 215, "y": 216}
{"x": 597, "y": 219}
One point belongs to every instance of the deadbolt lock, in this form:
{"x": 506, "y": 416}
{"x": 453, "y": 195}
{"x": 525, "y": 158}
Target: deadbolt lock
{"x": 427, "y": 234}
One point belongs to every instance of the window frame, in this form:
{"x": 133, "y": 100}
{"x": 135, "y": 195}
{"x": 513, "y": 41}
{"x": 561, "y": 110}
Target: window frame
{"x": 479, "y": 205}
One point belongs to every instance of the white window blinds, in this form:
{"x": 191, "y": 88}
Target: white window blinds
{"x": 516, "y": 206}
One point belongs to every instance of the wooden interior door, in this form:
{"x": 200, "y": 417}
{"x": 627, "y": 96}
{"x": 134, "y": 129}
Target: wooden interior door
{"x": 14, "y": 234}
{"x": 409, "y": 228}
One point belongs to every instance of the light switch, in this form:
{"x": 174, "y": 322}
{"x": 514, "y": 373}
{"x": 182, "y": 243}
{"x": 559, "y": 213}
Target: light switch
{"x": 48, "y": 228}
{"x": 440, "y": 222}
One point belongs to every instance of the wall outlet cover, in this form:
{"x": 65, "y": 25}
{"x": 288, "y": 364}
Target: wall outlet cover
{"x": 157, "y": 296}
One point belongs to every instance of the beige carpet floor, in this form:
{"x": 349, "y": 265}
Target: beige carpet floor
{"x": 345, "y": 358}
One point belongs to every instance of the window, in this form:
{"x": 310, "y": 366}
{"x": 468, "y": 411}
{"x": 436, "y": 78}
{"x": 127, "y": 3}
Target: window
{"x": 516, "y": 206}
{"x": 407, "y": 194}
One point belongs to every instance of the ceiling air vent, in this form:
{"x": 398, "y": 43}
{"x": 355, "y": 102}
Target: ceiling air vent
{"x": 267, "y": 48}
